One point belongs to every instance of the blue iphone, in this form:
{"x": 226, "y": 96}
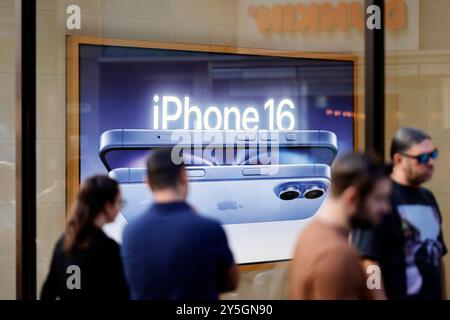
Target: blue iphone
{"x": 262, "y": 186}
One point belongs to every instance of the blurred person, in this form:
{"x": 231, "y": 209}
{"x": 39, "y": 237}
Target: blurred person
{"x": 408, "y": 244}
{"x": 325, "y": 266}
{"x": 86, "y": 264}
{"x": 171, "y": 252}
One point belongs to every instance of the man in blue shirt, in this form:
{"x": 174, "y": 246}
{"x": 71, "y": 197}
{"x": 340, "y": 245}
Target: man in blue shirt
{"x": 170, "y": 251}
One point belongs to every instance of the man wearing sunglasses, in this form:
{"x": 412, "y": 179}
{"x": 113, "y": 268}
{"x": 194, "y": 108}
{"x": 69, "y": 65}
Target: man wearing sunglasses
{"x": 408, "y": 244}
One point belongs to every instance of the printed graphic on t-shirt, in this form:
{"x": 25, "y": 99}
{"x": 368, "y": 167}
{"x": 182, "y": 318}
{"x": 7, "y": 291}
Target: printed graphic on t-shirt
{"x": 423, "y": 250}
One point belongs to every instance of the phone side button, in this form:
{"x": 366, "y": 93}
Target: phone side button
{"x": 256, "y": 172}
{"x": 268, "y": 137}
{"x": 291, "y": 137}
{"x": 246, "y": 137}
{"x": 195, "y": 173}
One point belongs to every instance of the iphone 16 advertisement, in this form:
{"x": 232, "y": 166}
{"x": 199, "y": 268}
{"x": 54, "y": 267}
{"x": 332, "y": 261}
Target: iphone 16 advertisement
{"x": 257, "y": 133}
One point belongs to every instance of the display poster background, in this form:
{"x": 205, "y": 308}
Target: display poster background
{"x": 117, "y": 85}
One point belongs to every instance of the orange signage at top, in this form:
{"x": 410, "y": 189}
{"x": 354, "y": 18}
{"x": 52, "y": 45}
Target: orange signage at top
{"x": 324, "y": 16}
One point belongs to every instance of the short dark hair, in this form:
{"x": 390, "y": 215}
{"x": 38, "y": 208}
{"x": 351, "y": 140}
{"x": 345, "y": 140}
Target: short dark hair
{"x": 405, "y": 138}
{"x": 359, "y": 170}
{"x": 162, "y": 172}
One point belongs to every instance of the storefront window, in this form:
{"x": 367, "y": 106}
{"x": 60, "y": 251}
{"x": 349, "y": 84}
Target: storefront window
{"x": 7, "y": 151}
{"x": 417, "y": 86}
{"x": 82, "y": 43}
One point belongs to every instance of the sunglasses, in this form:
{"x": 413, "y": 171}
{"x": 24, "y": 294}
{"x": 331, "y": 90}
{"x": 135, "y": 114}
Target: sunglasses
{"x": 424, "y": 157}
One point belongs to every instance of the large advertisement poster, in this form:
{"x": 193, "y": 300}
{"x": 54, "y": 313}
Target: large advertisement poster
{"x": 258, "y": 132}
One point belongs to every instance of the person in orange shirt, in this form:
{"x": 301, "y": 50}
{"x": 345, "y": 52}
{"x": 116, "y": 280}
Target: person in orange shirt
{"x": 325, "y": 266}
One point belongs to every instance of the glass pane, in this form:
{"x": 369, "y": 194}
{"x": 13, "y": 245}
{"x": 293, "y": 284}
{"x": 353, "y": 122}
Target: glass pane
{"x": 418, "y": 87}
{"x": 7, "y": 151}
{"x": 50, "y": 97}
{"x": 106, "y": 64}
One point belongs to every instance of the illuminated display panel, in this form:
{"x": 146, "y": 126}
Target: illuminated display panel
{"x": 114, "y": 84}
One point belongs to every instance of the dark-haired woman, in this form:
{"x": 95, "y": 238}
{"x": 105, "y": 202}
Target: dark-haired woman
{"x": 86, "y": 264}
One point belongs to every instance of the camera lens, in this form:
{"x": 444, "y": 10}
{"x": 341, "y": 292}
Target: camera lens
{"x": 313, "y": 192}
{"x": 289, "y": 193}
